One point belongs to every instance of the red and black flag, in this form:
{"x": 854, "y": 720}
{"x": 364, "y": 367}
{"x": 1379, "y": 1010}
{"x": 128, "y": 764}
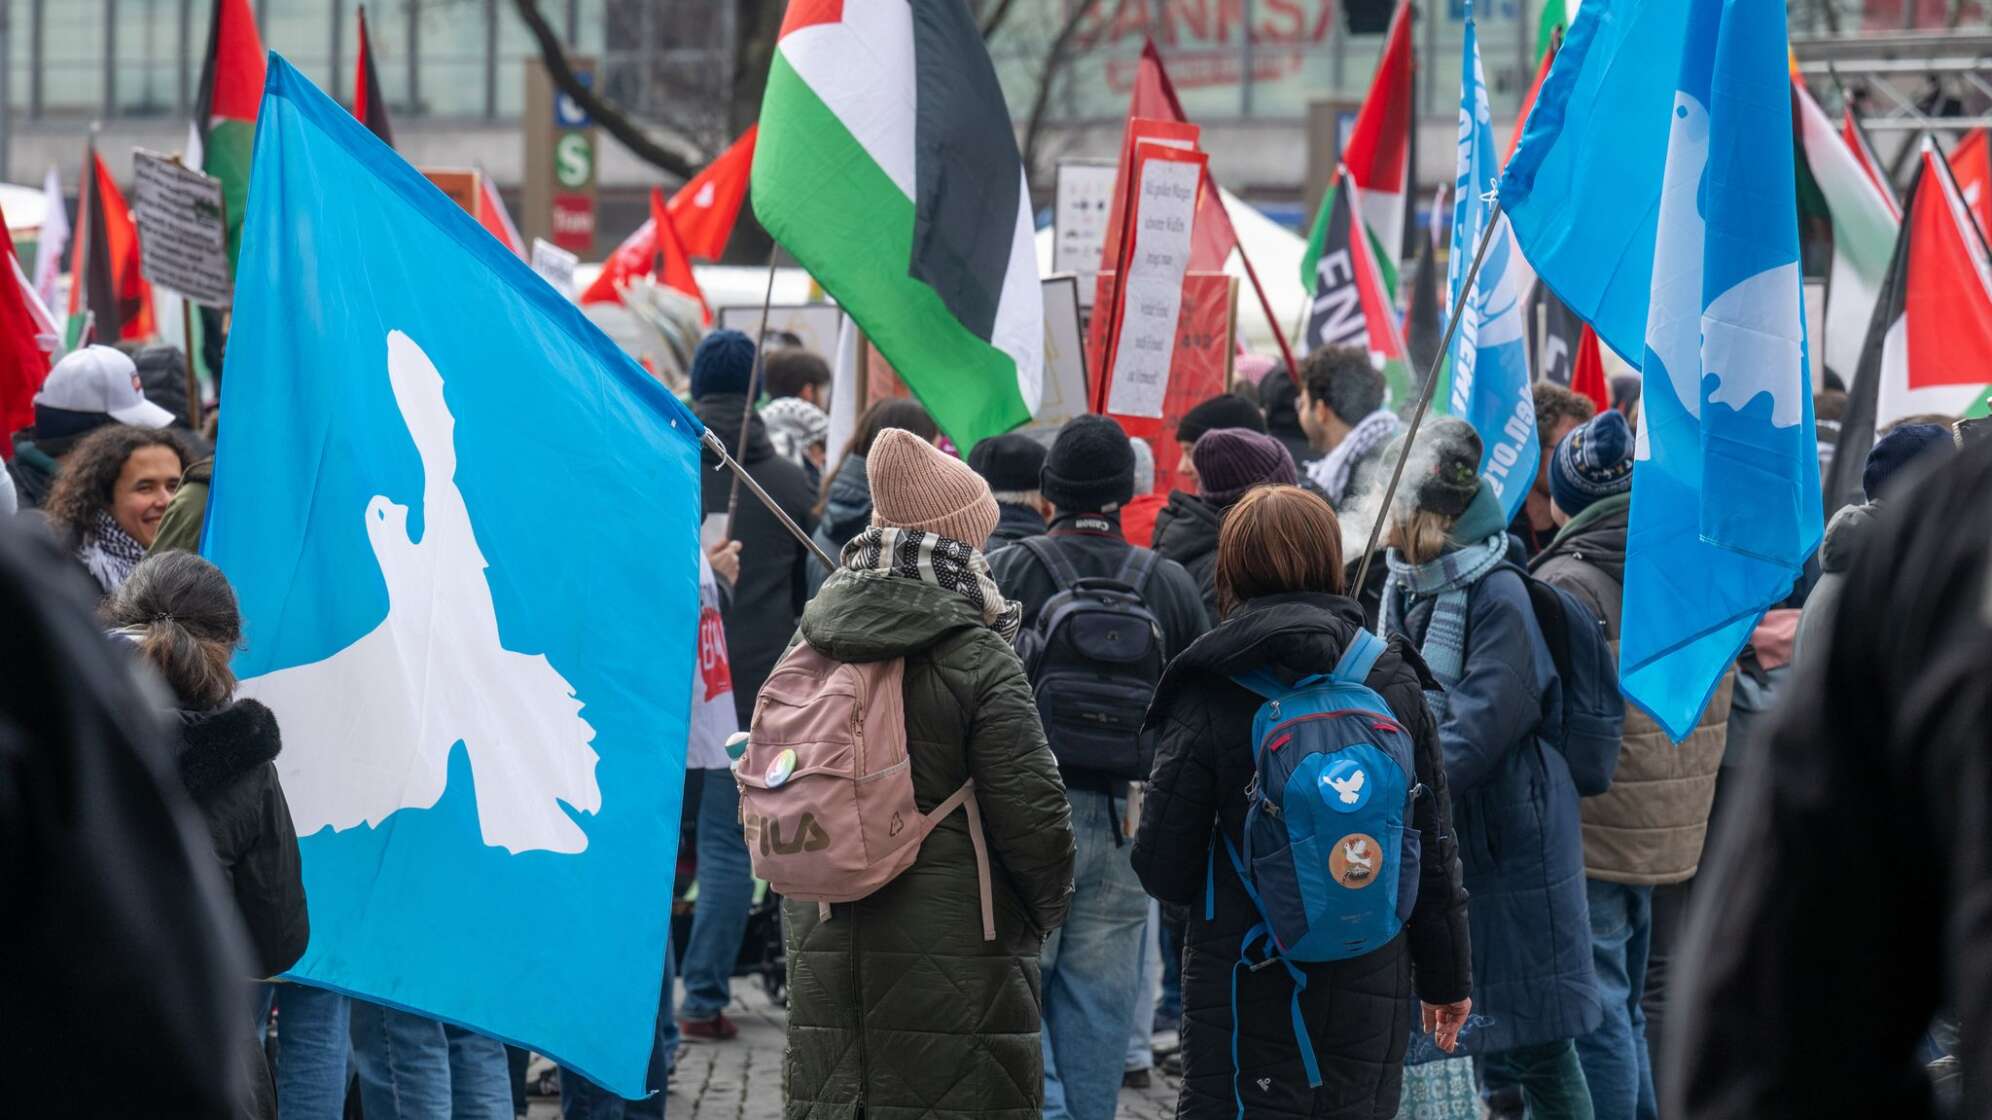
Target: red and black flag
{"x": 103, "y": 258}
{"x": 369, "y": 105}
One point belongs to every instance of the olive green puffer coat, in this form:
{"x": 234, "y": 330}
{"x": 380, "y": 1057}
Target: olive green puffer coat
{"x": 898, "y": 1009}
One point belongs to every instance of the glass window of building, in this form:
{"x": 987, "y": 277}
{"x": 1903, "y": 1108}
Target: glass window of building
{"x": 72, "y": 50}
{"x": 301, "y": 31}
{"x": 450, "y": 56}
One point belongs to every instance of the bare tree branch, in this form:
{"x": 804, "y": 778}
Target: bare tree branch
{"x": 995, "y": 18}
{"x": 612, "y": 119}
{"x": 1054, "y": 61}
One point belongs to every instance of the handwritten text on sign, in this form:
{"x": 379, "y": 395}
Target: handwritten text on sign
{"x": 182, "y": 237}
{"x": 1164, "y": 211}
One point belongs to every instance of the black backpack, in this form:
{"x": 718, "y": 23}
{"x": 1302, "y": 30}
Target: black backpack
{"x": 1094, "y": 658}
{"x": 1593, "y": 708}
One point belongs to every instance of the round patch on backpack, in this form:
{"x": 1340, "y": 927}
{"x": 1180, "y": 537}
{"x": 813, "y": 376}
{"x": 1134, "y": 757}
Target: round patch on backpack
{"x": 1354, "y": 861}
{"x": 1345, "y": 785}
{"x": 780, "y": 769}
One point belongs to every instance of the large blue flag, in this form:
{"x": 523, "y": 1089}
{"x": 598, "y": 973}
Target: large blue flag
{"x": 463, "y": 529}
{"x": 1653, "y": 191}
{"x": 1487, "y": 370}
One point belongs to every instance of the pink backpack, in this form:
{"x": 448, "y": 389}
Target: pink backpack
{"x": 826, "y": 787}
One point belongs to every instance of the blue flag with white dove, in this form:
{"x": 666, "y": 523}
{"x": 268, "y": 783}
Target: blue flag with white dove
{"x": 1652, "y": 191}
{"x": 1486, "y": 373}
{"x": 462, "y": 527}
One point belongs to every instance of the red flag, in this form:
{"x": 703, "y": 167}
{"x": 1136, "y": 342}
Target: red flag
{"x": 1587, "y": 370}
{"x": 369, "y": 107}
{"x": 497, "y": 220}
{"x": 674, "y": 267}
{"x": 1948, "y": 289}
{"x": 705, "y": 208}
{"x": 23, "y": 363}
{"x": 1380, "y": 141}
{"x": 103, "y": 259}
{"x": 1971, "y": 166}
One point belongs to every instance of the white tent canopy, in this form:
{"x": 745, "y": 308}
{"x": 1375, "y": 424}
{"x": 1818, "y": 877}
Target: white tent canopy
{"x": 24, "y": 206}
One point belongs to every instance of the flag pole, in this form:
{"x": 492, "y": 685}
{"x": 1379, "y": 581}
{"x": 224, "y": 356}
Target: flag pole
{"x": 718, "y": 447}
{"x": 1425, "y": 396}
{"x": 747, "y": 413}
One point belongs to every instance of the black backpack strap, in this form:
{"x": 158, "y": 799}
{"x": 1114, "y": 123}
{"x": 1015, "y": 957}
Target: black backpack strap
{"x": 1062, "y": 572}
{"x": 1134, "y": 570}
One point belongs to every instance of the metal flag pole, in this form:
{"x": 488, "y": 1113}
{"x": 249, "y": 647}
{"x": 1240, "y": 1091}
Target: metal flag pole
{"x": 1425, "y": 396}
{"x": 753, "y": 394}
{"x": 718, "y": 447}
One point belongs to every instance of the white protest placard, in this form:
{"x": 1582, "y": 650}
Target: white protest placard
{"x": 1082, "y": 200}
{"x": 182, "y": 232}
{"x": 1064, "y": 357}
{"x": 1165, "y": 205}
{"x": 555, "y": 265}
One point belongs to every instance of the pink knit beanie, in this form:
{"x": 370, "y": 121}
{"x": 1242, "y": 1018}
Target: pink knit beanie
{"x": 914, "y": 485}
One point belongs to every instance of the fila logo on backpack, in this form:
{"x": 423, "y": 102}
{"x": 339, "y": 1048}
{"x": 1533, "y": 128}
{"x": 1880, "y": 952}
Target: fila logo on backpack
{"x": 826, "y": 786}
{"x": 1094, "y": 657}
{"x": 1329, "y": 853}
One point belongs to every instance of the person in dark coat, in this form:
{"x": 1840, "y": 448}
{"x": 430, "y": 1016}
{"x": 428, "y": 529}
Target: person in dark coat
{"x": 1452, "y": 593}
{"x": 898, "y": 1008}
{"x": 1010, "y": 464}
{"x": 1280, "y": 573}
{"x": 180, "y": 613}
{"x": 1279, "y": 398}
{"x": 121, "y": 956}
{"x": 1842, "y": 905}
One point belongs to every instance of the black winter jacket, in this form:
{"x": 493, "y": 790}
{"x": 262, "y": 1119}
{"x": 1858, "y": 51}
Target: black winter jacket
{"x": 227, "y": 760}
{"x": 1014, "y": 523}
{"x": 1186, "y": 532}
{"x": 773, "y": 584}
{"x": 1360, "y": 1013}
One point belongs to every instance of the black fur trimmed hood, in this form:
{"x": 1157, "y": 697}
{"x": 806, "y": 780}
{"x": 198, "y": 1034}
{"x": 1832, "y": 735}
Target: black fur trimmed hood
{"x": 218, "y": 746}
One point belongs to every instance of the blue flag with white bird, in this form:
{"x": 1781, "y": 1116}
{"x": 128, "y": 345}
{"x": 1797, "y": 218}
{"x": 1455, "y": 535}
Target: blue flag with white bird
{"x": 462, "y": 526}
{"x": 1652, "y": 191}
{"x": 1486, "y": 372}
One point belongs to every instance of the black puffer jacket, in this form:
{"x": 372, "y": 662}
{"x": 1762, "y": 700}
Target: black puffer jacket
{"x": 1360, "y": 1013}
{"x": 773, "y": 584}
{"x": 1186, "y": 532}
{"x": 227, "y": 760}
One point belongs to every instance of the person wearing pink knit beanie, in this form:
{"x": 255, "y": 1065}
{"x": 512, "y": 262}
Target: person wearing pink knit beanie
{"x": 915, "y": 485}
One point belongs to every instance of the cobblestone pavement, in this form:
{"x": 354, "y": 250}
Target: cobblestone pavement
{"x": 742, "y": 1079}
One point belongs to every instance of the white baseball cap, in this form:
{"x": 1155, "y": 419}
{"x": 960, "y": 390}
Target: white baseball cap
{"x": 101, "y": 379}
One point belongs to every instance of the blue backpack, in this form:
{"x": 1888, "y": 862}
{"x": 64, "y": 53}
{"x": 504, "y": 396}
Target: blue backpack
{"x": 1330, "y": 855}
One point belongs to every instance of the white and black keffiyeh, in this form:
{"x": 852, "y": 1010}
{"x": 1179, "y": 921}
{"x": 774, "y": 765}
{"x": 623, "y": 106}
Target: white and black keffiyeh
{"x": 1331, "y": 471}
{"x": 946, "y": 563}
{"x": 109, "y": 552}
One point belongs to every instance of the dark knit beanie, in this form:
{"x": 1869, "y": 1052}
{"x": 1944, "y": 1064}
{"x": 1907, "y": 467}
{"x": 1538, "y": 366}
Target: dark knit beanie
{"x": 1593, "y": 461}
{"x": 1090, "y": 468}
{"x": 1227, "y": 410}
{"x": 1231, "y": 461}
{"x": 1009, "y": 463}
{"x": 722, "y": 365}
{"x": 1897, "y": 449}
{"x": 1449, "y": 452}
{"x": 1280, "y": 398}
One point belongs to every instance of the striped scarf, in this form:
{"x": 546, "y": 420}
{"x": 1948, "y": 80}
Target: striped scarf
{"x": 946, "y": 563}
{"x": 1445, "y": 580}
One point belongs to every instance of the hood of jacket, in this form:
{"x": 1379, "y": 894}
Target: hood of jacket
{"x": 721, "y": 412}
{"x": 1846, "y": 535}
{"x": 1482, "y": 518}
{"x": 1297, "y": 632}
{"x": 1186, "y": 529}
{"x": 1015, "y": 522}
{"x": 847, "y": 505}
{"x": 873, "y": 616}
{"x": 219, "y": 746}
{"x": 1595, "y": 537}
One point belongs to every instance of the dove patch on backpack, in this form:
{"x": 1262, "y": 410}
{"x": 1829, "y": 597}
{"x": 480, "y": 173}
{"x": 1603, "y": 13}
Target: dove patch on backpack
{"x": 1344, "y": 786}
{"x": 1353, "y": 860}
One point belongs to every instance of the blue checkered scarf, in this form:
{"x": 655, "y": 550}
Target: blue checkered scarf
{"x": 1447, "y": 581}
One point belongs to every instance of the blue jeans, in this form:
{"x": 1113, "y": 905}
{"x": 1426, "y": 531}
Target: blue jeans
{"x": 726, "y": 889}
{"x": 1091, "y": 968}
{"x": 314, "y": 1052}
{"x": 412, "y": 1068}
{"x": 1550, "y": 1077}
{"x": 1141, "y": 1040}
{"x": 1616, "y": 1062}
{"x": 582, "y": 1099}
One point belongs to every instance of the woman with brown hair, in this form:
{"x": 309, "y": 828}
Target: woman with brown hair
{"x": 114, "y": 488}
{"x": 1279, "y": 585}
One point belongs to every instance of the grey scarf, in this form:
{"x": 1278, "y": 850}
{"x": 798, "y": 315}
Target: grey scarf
{"x": 109, "y": 552}
{"x": 942, "y": 561}
{"x": 1446, "y": 580}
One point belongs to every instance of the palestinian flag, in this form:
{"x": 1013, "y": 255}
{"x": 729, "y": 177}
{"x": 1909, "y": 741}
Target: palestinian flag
{"x": 225, "y": 112}
{"x": 1351, "y": 306}
{"x": 369, "y": 105}
{"x": 24, "y": 341}
{"x": 704, "y": 210}
{"x": 1550, "y": 26}
{"x": 674, "y": 265}
{"x": 1971, "y": 165}
{"x": 886, "y": 164}
{"x": 103, "y": 259}
{"x": 1857, "y": 142}
{"x": 1378, "y": 159}
{"x": 492, "y": 215}
{"x": 1929, "y": 345}
{"x": 1863, "y": 218}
